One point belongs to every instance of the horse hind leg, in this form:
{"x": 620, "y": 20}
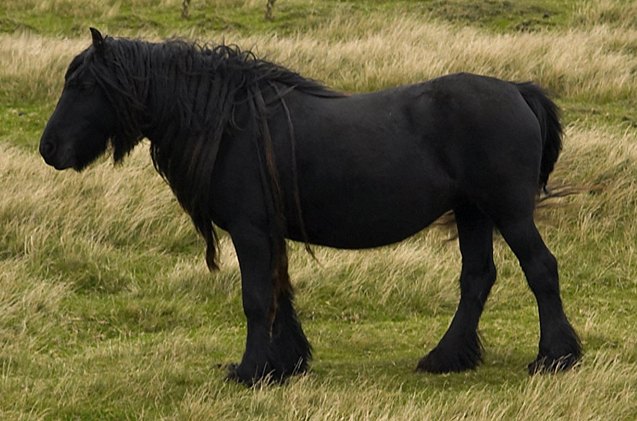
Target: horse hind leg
{"x": 559, "y": 347}
{"x": 460, "y": 348}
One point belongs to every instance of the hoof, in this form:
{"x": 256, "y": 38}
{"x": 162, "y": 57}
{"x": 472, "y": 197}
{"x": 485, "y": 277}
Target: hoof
{"x": 439, "y": 361}
{"x": 547, "y": 365}
{"x": 560, "y": 350}
{"x": 237, "y": 374}
{"x": 234, "y": 375}
{"x": 263, "y": 376}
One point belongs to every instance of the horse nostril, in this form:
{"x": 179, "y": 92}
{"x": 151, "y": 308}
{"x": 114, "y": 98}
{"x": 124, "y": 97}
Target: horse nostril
{"x": 47, "y": 148}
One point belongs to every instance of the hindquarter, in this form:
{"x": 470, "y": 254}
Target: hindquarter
{"x": 487, "y": 134}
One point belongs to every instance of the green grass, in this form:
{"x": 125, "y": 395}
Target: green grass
{"x": 107, "y": 309}
{"x": 69, "y": 18}
{"x": 62, "y": 17}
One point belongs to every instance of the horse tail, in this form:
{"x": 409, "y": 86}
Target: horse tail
{"x": 548, "y": 115}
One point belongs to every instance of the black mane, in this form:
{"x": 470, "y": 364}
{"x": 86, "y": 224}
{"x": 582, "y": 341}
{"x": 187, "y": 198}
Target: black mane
{"x": 193, "y": 91}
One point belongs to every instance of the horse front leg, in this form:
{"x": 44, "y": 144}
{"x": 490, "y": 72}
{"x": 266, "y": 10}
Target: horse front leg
{"x": 276, "y": 346}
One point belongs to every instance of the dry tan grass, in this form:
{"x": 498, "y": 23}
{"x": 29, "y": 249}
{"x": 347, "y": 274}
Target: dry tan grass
{"x": 47, "y": 203}
{"x": 33, "y": 66}
{"x": 592, "y": 63}
{"x": 576, "y": 62}
{"x": 621, "y": 13}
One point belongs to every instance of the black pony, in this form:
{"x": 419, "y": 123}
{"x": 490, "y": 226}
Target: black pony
{"x": 267, "y": 155}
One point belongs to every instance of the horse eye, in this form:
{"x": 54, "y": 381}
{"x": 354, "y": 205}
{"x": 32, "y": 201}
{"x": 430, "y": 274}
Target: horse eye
{"x": 87, "y": 86}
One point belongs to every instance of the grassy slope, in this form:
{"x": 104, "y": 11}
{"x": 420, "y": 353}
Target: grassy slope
{"x": 105, "y": 305}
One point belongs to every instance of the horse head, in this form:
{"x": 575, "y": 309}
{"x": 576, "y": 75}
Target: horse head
{"x": 83, "y": 121}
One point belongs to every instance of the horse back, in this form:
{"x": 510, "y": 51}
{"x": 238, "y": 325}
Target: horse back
{"x": 375, "y": 168}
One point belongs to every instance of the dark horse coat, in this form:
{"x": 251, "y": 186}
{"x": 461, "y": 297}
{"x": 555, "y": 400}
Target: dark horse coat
{"x": 267, "y": 155}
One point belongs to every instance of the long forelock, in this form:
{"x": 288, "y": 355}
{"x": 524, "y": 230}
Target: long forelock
{"x": 113, "y": 72}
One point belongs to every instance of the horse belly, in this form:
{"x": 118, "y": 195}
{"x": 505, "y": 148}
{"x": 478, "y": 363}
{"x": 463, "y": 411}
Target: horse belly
{"x": 358, "y": 204}
{"x": 365, "y": 176}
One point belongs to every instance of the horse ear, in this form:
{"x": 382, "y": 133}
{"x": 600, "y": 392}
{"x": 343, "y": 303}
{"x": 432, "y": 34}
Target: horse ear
{"x": 98, "y": 39}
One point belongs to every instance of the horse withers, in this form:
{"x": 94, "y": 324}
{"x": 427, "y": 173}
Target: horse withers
{"x": 268, "y": 155}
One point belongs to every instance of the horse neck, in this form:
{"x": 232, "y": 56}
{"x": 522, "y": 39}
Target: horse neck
{"x": 170, "y": 109}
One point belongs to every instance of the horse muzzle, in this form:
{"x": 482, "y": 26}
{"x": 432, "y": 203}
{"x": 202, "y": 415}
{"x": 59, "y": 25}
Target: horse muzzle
{"x": 54, "y": 155}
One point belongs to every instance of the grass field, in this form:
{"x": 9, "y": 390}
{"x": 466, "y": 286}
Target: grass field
{"x": 107, "y": 310}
